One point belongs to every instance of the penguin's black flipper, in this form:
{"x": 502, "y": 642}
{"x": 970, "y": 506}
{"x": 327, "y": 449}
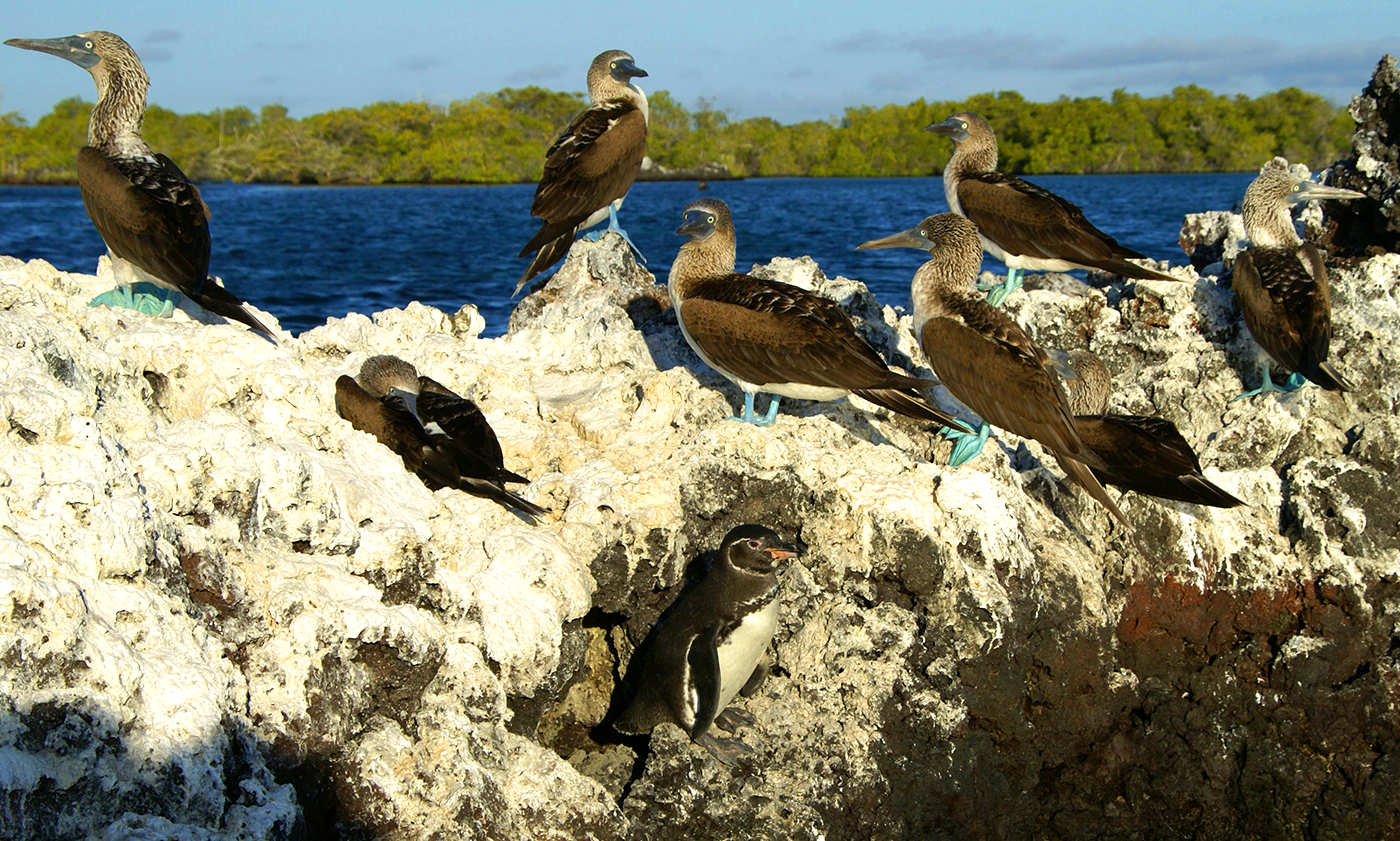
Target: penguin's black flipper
{"x": 703, "y": 659}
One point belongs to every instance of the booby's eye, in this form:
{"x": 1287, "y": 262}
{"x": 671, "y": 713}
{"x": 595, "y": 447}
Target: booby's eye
{"x": 612, "y": 66}
{"x": 964, "y": 125}
{"x": 710, "y": 219}
{"x": 87, "y": 45}
{"x": 1297, "y": 187}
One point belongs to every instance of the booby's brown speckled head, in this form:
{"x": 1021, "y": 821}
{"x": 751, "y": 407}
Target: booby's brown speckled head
{"x": 379, "y": 375}
{"x": 703, "y": 217}
{"x": 116, "y": 70}
{"x": 610, "y": 75}
{"x": 1267, "y": 201}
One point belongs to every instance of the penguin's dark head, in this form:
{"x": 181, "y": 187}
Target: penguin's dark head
{"x": 755, "y": 549}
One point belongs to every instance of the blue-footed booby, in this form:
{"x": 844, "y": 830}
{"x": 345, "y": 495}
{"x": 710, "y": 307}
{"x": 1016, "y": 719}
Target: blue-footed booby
{"x": 1137, "y": 452}
{"x": 774, "y": 337}
{"x": 151, "y": 217}
{"x": 1282, "y": 284}
{"x": 1020, "y": 224}
{"x": 590, "y": 168}
{"x": 711, "y": 645}
{"x": 983, "y": 357}
{"x": 441, "y": 436}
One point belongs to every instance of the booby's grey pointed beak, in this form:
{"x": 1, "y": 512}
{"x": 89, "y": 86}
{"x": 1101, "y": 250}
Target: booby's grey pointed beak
{"x": 951, "y": 128}
{"x": 1309, "y": 191}
{"x": 627, "y": 70}
{"x": 406, "y": 399}
{"x": 912, "y": 238}
{"x": 74, "y": 48}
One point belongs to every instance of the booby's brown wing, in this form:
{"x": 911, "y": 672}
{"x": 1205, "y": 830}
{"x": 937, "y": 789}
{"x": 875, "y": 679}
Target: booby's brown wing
{"x": 148, "y": 213}
{"x": 764, "y": 331}
{"x": 1149, "y": 455}
{"x": 1286, "y": 302}
{"x": 989, "y": 363}
{"x": 1030, "y": 221}
{"x": 462, "y": 420}
{"x": 589, "y": 167}
{"x": 593, "y": 163}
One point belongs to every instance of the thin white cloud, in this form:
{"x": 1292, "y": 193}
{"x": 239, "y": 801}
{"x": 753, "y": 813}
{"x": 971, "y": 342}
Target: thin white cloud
{"x": 538, "y": 73}
{"x": 418, "y": 63}
{"x": 1228, "y": 62}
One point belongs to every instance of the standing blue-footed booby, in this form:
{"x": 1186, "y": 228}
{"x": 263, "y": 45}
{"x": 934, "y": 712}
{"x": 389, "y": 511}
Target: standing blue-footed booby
{"x": 590, "y": 168}
{"x": 1020, "y": 224}
{"x": 441, "y": 436}
{"x": 983, "y": 357}
{"x": 151, "y": 217}
{"x": 1137, "y": 452}
{"x": 773, "y": 337}
{"x": 1282, "y": 284}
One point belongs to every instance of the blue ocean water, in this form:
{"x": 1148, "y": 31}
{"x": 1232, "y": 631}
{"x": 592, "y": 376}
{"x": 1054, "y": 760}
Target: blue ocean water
{"x": 306, "y": 254}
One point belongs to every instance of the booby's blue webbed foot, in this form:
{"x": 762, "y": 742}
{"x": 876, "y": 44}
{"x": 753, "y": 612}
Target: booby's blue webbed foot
{"x": 1294, "y": 382}
{"x": 997, "y": 293}
{"x": 733, "y": 718}
{"x": 751, "y": 417}
{"x": 725, "y": 750}
{"x": 966, "y": 445}
{"x": 613, "y": 226}
{"x": 145, "y": 298}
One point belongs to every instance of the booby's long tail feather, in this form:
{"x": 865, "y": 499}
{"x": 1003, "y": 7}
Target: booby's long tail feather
{"x": 220, "y": 301}
{"x": 1329, "y": 378}
{"x": 551, "y": 251}
{"x": 910, "y": 403}
{"x": 1132, "y": 270}
{"x": 496, "y": 493}
{"x": 1205, "y": 492}
{"x": 1081, "y": 474}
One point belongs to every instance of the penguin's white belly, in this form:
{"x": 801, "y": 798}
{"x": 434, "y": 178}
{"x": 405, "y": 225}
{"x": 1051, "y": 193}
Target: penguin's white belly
{"x": 740, "y": 653}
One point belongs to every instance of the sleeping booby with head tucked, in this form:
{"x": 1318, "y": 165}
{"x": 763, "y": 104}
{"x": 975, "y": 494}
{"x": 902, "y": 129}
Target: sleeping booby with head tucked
{"x": 151, "y": 217}
{"x": 773, "y": 337}
{"x": 1020, "y": 224}
{"x": 711, "y": 645}
{"x": 1281, "y": 282}
{"x": 1135, "y": 452}
{"x": 590, "y": 168}
{"x": 442, "y": 437}
{"x": 983, "y": 357}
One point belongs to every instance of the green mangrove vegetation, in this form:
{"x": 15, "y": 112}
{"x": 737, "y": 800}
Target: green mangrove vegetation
{"x": 500, "y": 138}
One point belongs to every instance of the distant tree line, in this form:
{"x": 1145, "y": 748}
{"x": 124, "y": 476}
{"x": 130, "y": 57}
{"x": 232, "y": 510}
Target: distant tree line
{"x": 501, "y": 137}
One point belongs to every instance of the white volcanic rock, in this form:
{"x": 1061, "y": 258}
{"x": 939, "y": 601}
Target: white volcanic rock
{"x": 224, "y": 613}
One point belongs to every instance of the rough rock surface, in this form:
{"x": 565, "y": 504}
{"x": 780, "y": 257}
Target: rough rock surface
{"x": 226, "y": 614}
{"x": 1370, "y": 227}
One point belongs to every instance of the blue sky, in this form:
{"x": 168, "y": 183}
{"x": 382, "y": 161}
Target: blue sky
{"x": 790, "y": 61}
